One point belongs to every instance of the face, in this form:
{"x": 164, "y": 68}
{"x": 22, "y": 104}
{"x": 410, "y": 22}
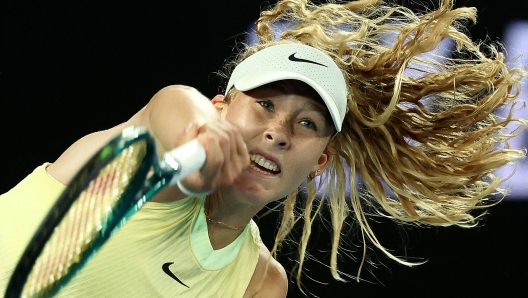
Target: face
{"x": 286, "y": 134}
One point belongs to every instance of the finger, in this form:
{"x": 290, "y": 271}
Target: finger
{"x": 213, "y": 138}
{"x": 238, "y": 158}
{"x": 228, "y": 147}
{"x": 242, "y": 150}
{"x": 225, "y": 135}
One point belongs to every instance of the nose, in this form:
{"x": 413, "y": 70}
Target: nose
{"x": 279, "y": 133}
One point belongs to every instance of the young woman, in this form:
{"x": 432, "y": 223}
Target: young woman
{"x": 335, "y": 98}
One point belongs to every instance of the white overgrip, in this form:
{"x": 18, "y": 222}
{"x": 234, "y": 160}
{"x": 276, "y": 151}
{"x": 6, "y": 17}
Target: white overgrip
{"x": 185, "y": 159}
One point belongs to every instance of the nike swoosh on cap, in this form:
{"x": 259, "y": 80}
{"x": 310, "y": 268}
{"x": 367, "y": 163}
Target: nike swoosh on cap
{"x": 295, "y": 59}
{"x": 166, "y": 269}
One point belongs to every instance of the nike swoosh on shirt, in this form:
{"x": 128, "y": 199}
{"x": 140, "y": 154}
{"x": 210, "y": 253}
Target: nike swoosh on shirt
{"x": 295, "y": 59}
{"x": 166, "y": 269}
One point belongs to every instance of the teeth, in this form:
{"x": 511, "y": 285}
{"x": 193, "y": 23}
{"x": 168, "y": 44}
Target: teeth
{"x": 267, "y": 164}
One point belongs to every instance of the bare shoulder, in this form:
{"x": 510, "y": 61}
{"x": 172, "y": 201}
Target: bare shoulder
{"x": 171, "y": 109}
{"x": 176, "y": 90}
{"x": 270, "y": 279}
{"x": 182, "y": 95}
{"x": 177, "y": 100}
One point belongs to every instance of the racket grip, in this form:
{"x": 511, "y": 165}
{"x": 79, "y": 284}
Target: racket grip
{"x": 184, "y": 160}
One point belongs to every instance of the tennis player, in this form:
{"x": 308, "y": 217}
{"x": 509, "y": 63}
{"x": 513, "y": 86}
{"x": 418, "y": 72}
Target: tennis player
{"x": 347, "y": 91}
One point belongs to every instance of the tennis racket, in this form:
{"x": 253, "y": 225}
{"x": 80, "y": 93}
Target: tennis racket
{"x": 110, "y": 187}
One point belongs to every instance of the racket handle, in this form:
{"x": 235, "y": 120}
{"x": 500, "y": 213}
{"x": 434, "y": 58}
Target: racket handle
{"x": 184, "y": 160}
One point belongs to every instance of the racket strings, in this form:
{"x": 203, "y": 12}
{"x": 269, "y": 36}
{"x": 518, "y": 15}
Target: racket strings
{"x": 87, "y": 217}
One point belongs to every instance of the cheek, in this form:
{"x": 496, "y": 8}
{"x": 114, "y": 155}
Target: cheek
{"x": 244, "y": 119}
{"x": 313, "y": 150}
{"x": 303, "y": 163}
{"x": 239, "y": 119}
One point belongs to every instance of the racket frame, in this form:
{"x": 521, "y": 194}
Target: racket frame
{"x": 79, "y": 183}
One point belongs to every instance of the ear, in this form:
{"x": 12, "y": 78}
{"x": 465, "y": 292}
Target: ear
{"x": 219, "y": 103}
{"x": 322, "y": 162}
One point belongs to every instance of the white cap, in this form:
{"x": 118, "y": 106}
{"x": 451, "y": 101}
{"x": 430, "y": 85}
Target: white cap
{"x": 295, "y": 62}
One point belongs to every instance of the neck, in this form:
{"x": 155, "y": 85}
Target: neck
{"x": 224, "y": 223}
{"x": 231, "y": 212}
{"x": 226, "y": 206}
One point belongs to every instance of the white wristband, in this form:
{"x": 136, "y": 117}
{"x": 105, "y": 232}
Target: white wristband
{"x": 190, "y": 193}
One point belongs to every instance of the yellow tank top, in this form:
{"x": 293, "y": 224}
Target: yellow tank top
{"x": 162, "y": 251}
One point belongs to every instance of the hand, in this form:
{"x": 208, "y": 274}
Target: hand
{"x": 226, "y": 155}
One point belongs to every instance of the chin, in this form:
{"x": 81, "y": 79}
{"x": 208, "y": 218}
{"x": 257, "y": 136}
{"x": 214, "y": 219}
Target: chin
{"x": 261, "y": 192}
{"x": 255, "y": 194}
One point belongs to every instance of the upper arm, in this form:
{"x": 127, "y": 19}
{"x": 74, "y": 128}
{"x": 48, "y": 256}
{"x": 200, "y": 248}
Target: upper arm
{"x": 269, "y": 279}
{"x": 275, "y": 283}
{"x": 166, "y": 115}
{"x": 72, "y": 159}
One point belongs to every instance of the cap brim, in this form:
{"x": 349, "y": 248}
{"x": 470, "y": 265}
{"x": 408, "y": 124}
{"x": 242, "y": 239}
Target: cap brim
{"x": 260, "y": 78}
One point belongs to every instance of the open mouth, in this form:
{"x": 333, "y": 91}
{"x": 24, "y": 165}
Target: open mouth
{"x": 263, "y": 165}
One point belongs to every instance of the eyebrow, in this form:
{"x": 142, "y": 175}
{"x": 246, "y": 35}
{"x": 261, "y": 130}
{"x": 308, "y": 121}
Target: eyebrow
{"x": 319, "y": 105}
{"x": 316, "y": 101}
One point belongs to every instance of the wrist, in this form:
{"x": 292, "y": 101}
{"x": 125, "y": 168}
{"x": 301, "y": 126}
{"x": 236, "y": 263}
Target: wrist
{"x": 190, "y": 193}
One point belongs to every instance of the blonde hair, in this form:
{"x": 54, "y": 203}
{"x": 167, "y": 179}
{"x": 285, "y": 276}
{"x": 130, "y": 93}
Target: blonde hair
{"x": 422, "y": 126}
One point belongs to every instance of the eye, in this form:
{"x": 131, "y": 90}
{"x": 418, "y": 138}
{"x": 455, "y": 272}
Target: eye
{"x": 309, "y": 124}
{"x": 268, "y": 105}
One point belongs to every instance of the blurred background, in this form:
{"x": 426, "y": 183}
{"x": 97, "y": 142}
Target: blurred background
{"x": 71, "y": 68}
